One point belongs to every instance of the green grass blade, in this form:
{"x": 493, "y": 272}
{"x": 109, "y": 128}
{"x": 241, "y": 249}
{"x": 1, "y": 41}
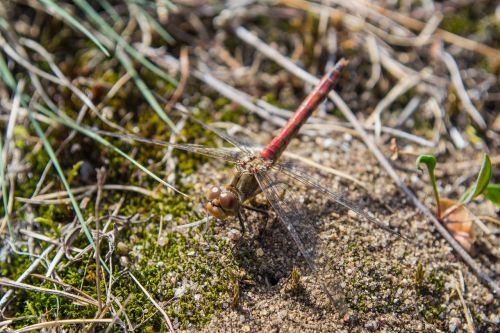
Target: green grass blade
{"x": 70, "y": 19}
{"x": 153, "y": 4}
{"x": 113, "y": 35}
{"x": 125, "y": 61}
{"x": 169, "y": 4}
{"x": 4, "y": 193}
{"x": 8, "y": 78}
{"x": 110, "y": 10}
{"x": 6, "y": 74}
{"x": 65, "y": 120}
{"x": 57, "y": 166}
{"x": 157, "y": 27}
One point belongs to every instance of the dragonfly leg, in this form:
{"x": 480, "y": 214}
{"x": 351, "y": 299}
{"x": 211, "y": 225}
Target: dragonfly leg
{"x": 258, "y": 210}
{"x": 263, "y": 231}
{"x": 242, "y": 223}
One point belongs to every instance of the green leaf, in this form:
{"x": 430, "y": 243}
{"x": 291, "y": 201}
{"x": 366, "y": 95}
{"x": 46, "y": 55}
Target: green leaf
{"x": 492, "y": 193}
{"x": 481, "y": 182}
{"x": 430, "y": 161}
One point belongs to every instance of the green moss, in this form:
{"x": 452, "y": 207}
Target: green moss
{"x": 461, "y": 23}
{"x": 202, "y": 264}
{"x": 188, "y": 275}
{"x": 430, "y": 293}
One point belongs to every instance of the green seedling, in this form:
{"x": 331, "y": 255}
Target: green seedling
{"x": 492, "y": 193}
{"x": 452, "y": 213}
{"x": 480, "y": 186}
{"x": 430, "y": 161}
{"x": 481, "y": 183}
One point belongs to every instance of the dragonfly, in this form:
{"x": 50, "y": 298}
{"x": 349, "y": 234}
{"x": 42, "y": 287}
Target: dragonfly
{"x": 259, "y": 172}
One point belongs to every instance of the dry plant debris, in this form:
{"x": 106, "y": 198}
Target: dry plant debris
{"x": 102, "y": 234}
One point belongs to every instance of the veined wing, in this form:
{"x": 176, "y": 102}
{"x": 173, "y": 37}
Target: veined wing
{"x": 181, "y": 108}
{"x": 296, "y": 173}
{"x": 226, "y": 154}
{"x": 287, "y": 209}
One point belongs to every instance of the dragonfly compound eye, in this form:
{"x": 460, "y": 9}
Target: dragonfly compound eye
{"x": 229, "y": 201}
{"x": 214, "y": 193}
{"x": 215, "y": 211}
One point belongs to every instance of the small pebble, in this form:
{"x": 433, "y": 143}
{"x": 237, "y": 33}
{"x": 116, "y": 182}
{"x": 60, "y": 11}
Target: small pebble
{"x": 282, "y": 315}
{"x": 259, "y": 252}
{"x": 123, "y": 261}
{"x": 488, "y": 299}
{"x": 453, "y": 324}
{"x": 234, "y": 235}
{"x": 372, "y": 325}
{"x": 245, "y": 328}
{"x": 162, "y": 241}
{"x": 352, "y": 214}
{"x": 122, "y": 248}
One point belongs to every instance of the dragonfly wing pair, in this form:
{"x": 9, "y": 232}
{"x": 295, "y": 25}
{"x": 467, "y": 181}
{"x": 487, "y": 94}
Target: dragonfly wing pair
{"x": 298, "y": 174}
{"x": 287, "y": 207}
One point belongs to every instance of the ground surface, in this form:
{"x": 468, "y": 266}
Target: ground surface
{"x": 156, "y": 254}
{"x": 374, "y": 270}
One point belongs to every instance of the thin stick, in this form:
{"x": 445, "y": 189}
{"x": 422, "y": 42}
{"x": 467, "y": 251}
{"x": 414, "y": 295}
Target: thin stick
{"x": 25, "y": 274}
{"x": 192, "y": 224}
{"x": 164, "y": 314}
{"x": 61, "y": 196}
{"x": 101, "y": 179}
{"x": 283, "y": 61}
{"x": 61, "y": 323}
{"x": 64, "y": 285}
{"x": 184, "y": 66}
{"x": 447, "y": 36}
{"x": 459, "y": 87}
{"x": 405, "y": 84}
{"x": 19, "y": 285}
{"x": 470, "y": 325}
{"x": 323, "y": 168}
{"x": 118, "y": 314}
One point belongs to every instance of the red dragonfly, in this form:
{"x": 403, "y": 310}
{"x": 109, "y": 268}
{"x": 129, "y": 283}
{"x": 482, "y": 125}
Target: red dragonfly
{"x": 259, "y": 172}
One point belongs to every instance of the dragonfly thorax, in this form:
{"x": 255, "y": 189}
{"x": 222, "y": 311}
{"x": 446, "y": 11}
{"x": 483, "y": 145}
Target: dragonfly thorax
{"x": 253, "y": 164}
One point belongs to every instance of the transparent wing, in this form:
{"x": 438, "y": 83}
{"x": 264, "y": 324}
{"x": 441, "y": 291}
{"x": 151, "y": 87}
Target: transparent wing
{"x": 298, "y": 174}
{"x": 289, "y": 213}
{"x": 227, "y": 154}
{"x": 222, "y": 135}
{"x": 285, "y": 206}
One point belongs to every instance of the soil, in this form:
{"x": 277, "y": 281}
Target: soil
{"x": 370, "y": 272}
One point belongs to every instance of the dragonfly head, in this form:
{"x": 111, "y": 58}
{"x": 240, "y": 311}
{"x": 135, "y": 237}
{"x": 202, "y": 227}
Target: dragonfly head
{"x": 222, "y": 202}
